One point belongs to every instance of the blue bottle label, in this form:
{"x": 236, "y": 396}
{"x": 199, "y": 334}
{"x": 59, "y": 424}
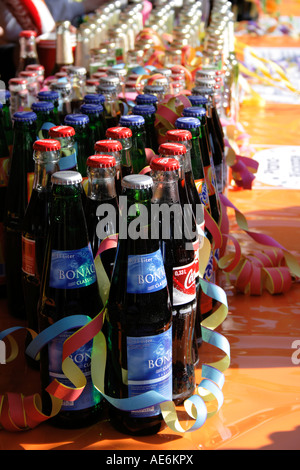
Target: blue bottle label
{"x": 149, "y": 360}
{"x": 145, "y": 273}
{"x": 72, "y": 269}
{"x": 68, "y": 162}
{"x": 82, "y": 358}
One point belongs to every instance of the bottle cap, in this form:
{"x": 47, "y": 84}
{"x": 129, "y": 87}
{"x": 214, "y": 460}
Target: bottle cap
{"x": 76, "y": 70}
{"x": 28, "y": 73}
{"x": 187, "y": 123}
{"x": 24, "y": 116}
{"x": 91, "y": 108}
{"x": 110, "y": 80}
{"x": 27, "y": 33}
{"x": 48, "y": 95}
{"x": 76, "y": 119}
{"x": 94, "y": 98}
{"x": 144, "y": 109}
{"x": 146, "y": 99}
{"x": 202, "y": 90}
{"x": 153, "y": 89}
{"x": 119, "y": 72}
{"x": 101, "y": 161}
{"x": 197, "y": 100}
{"x": 119, "y": 132}
{"x": 42, "y": 106}
{"x": 35, "y": 67}
{"x": 178, "y": 135}
{"x": 61, "y": 131}
{"x": 194, "y": 111}
{"x": 61, "y": 86}
{"x": 106, "y": 88}
{"x": 137, "y": 182}
{"x": 131, "y": 120}
{"x": 170, "y": 148}
{"x": 164, "y": 164}
{"x": 46, "y": 145}
{"x": 66, "y": 177}
{"x": 108, "y": 145}
{"x": 92, "y": 82}
{"x": 17, "y": 81}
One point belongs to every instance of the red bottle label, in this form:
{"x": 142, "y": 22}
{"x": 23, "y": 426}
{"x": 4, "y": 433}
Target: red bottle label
{"x": 184, "y": 287}
{"x": 28, "y": 256}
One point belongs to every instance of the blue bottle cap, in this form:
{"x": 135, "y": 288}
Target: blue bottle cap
{"x": 194, "y": 111}
{"x": 94, "y": 98}
{"x": 42, "y": 106}
{"x": 131, "y": 120}
{"x": 146, "y": 99}
{"x": 144, "y": 109}
{"x": 48, "y": 95}
{"x": 90, "y": 108}
{"x": 187, "y": 123}
{"x": 76, "y": 119}
{"x": 24, "y": 116}
{"x": 196, "y": 100}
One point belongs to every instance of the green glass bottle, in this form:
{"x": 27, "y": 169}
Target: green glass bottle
{"x": 137, "y": 126}
{"x": 139, "y": 317}
{"x": 69, "y": 287}
{"x": 148, "y": 113}
{"x": 4, "y": 172}
{"x": 112, "y": 147}
{"x": 52, "y": 97}
{"x": 45, "y": 117}
{"x": 46, "y": 155}
{"x": 17, "y": 197}
{"x": 96, "y": 124}
{"x": 84, "y": 145}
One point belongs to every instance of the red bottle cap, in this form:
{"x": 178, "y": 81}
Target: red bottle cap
{"x": 28, "y": 73}
{"x": 46, "y": 145}
{"x": 17, "y": 81}
{"x": 61, "y": 131}
{"x": 108, "y": 146}
{"x": 178, "y": 135}
{"x": 26, "y": 33}
{"x": 172, "y": 149}
{"x": 34, "y": 67}
{"x": 101, "y": 161}
{"x": 119, "y": 132}
{"x": 92, "y": 82}
{"x": 164, "y": 164}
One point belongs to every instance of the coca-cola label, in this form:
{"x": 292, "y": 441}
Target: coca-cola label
{"x": 184, "y": 287}
{"x": 145, "y": 273}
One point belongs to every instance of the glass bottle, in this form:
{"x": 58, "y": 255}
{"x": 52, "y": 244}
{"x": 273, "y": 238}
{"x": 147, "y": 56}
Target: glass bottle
{"x": 46, "y": 154}
{"x": 64, "y": 52}
{"x": 102, "y": 192}
{"x": 40, "y": 70}
{"x": 124, "y": 136}
{"x": 64, "y": 101}
{"x": 137, "y": 126}
{"x": 28, "y": 53}
{"x": 32, "y": 85}
{"x": 45, "y": 117}
{"x": 112, "y": 147}
{"x": 96, "y": 124}
{"x": 4, "y": 174}
{"x": 156, "y": 90}
{"x": 51, "y": 97}
{"x": 84, "y": 145}
{"x": 138, "y": 316}
{"x": 148, "y": 113}
{"x": 112, "y": 110}
{"x": 178, "y": 255}
{"x": 77, "y": 79}
{"x": 7, "y": 122}
{"x": 66, "y": 137}
{"x": 19, "y": 94}
{"x": 146, "y": 98}
{"x": 69, "y": 287}
{"x": 17, "y": 197}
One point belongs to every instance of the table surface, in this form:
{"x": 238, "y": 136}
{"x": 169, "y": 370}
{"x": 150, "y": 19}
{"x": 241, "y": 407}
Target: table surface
{"x": 261, "y": 408}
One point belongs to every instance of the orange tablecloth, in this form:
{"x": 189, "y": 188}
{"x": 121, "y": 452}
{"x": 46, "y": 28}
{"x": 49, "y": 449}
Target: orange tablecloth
{"x": 261, "y": 407}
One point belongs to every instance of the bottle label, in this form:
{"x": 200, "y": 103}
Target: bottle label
{"x": 184, "y": 286}
{"x": 203, "y": 192}
{"x": 196, "y": 259}
{"x": 72, "y": 269}
{"x": 149, "y": 360}
{"x": 145, "y": 273}
{"x": 28, "y": 256}
{"x": 4, "y": 171}
{"x": 82, "y": 358}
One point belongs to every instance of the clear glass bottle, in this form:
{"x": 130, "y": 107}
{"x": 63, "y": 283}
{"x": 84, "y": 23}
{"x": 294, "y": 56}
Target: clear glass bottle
{"x": 28, "y": 53}
{"x": 124, "y": 136}
{"x": 66, "y": 137}
{"x": 113, "y": 148}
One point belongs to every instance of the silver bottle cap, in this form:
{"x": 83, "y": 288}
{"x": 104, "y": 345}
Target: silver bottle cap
{"x": 66, "y": 177}
{"x": 137, "y": 182}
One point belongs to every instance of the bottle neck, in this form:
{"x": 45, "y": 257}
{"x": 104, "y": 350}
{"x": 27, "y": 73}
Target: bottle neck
{"x": 46, "y": 164}
{"x": 101, "y": 184}
{"x": 165, "y": 188}
{"x": 28, "y": 48}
